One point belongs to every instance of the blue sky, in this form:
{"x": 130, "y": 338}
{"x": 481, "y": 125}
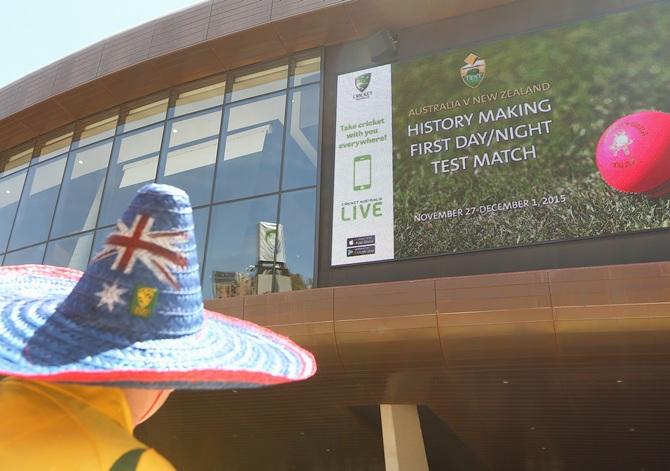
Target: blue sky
{"x": 36, "y": 33}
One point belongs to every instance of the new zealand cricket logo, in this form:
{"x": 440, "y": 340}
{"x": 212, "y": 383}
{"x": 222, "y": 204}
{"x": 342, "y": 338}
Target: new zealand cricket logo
{"x": 473, "y": 71}
{"x": 362, "y": 82}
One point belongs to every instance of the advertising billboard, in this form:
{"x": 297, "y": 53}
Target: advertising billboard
{"x": 554, "y": 135}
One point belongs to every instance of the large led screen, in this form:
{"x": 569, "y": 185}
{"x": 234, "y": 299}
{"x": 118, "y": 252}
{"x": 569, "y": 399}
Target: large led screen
{"x": 554, "y": 135}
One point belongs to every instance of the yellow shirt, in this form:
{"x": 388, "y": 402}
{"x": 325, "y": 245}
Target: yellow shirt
{"x": 58, "y": 427}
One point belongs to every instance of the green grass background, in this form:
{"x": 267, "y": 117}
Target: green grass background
{"x": 600, "y": 70}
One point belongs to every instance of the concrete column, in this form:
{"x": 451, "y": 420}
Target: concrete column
{"x": 403, "y": 441}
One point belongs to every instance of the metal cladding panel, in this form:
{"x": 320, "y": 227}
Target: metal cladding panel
{"x": 303, "y": 31}
{"x": 126, "y": 49}
{"x": 229, "y": 306}
{"x": 285, "y": 8}
{"x": 17, "y": 130}
{"x": 93, "y": 94}
{"x": 299, "y": 307}
{"x": 385, "y": 300}
{"x": 201, "y": 61}
{"x": 8, "y": 100}
{"x": 126, "y": 84}
{"x": 180, "y": 30}
{"x": 34, "y": 88}
{"x": 77, "y": 69}
{"x": 248, "y": 47}
{"x": 230, "y": 16}
{"x": 46, "y": 117}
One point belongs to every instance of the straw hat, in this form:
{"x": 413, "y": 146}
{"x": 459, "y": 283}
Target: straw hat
{"x": 135, "y": 318}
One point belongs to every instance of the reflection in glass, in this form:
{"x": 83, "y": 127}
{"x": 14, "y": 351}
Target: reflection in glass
{"x": 252, "y": 144}
{"x": 15, "y": 161}
{"x": 190, "y": 168}
{"x": 103, "y": 173}
{"x": 37, "y": 204}
{"x": 81, "y": 192}
{"x": 134, "y": 164}
{"x": 259, "y": 83}
{"x": 71, "y": 252}
{"x": 54, "y": 147}
{"x": 10, "y": 193}
{"x": 297, "y": 219}
{"x": 307, "y": 70}
{"x": 95, "y": 129}
{"x": 30, "y": 255}
{"x": 99, "y": 239}
{"x": 200, "y": 217}
{"x": 232, "y": 261}
{"x": 193, "y": 128}
{"x": 191, "y": 155}
{"x": 143, "y": 114}
{"x": 199, "y": 99}
{"x": 302, "y": 141}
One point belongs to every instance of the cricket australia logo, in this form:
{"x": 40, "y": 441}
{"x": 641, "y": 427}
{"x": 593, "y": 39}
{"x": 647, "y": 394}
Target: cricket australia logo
{"x": 473, "y": 71}
{"x": 621, "y": 143}
{"x": 362, "y": 82}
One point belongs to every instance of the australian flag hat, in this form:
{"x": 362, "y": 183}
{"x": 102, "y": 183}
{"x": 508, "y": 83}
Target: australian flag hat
{"x": 135, "y": 318}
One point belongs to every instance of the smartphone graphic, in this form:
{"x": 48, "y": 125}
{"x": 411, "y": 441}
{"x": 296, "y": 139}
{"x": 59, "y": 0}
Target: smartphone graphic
{"x": 362, "y": 172}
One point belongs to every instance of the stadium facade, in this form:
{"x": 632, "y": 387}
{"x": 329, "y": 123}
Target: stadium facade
{"x": 525, "y": 327}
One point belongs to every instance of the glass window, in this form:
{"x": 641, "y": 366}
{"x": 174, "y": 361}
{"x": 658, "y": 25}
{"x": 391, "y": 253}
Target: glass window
{"x": 306, "y": 70}
{"x": 200, "y": 220}
{"x": 33, "y": 218}
{"x": 30, "y": 255}
{"x": 191, "y": 155}
{"x": 295, "y": 254}
{"x": 189, "y": 101}
{"x": 194, "y": 128}
{"x": 10, "y": 193}
{"x": 71, "y": 252}
{"x": 95, "y": 129}
{"x": 134, "y": 164}
{"x": 232, "y": 261}
{"x": 259, "y": 83}
{"x": 144, "y": 113}
{"x": 252, "y": 144}
{"x": 191, "y": 168}
{"x": 81, "y": 193}
{"x": 99, "y": 240}
{"x": 15, "y": 160}
{"x": 54, "y": 146}
{"x": 302, "y": 140}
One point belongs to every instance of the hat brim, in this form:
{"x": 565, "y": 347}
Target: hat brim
{"x": 226, "y": 353}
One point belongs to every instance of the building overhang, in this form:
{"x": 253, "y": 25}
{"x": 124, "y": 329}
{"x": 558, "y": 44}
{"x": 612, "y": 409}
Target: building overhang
{"x": 535, "y": 316}
{"x": 206, "y": 39}
{"x": 530, "y": 369}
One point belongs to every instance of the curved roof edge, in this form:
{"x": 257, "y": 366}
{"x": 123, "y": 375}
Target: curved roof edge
{"x": 202, "y": 40}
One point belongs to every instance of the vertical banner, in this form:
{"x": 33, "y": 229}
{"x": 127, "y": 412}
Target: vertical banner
{"x": 363, "y": 186}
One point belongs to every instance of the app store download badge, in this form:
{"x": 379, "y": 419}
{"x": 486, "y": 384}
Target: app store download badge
{"x": 363, "y": 245}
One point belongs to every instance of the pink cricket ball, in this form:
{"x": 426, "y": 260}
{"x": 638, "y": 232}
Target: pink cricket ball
{"x": 633, "y": 154}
